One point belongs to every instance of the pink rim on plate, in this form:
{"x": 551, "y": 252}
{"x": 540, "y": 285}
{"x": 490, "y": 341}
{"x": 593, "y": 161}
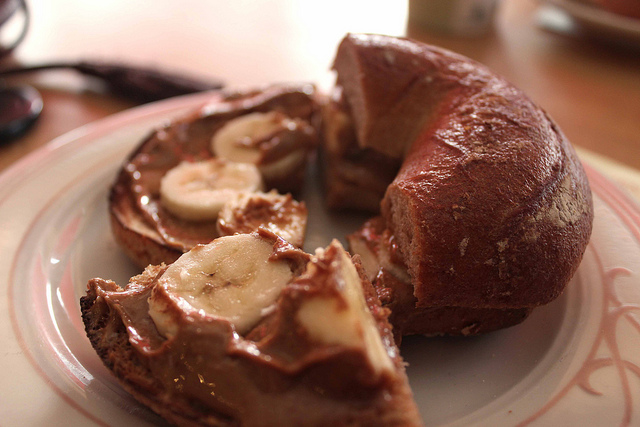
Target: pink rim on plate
{"x": 573, "y": 362}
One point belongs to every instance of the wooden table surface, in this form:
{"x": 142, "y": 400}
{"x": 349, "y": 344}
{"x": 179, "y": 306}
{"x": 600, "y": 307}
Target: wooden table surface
{"x": 591, "y": 90}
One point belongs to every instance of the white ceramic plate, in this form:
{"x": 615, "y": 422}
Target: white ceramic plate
{"x": 569, "y": 16}
{"x": 573, "y": 362}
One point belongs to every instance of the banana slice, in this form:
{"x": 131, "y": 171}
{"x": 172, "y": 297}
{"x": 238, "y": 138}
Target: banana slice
{"x": 278, "y": 145}
{"x": 375, "y": 255}
{"x": 197, "y": 191}
{"x": 284, "y": 167}
{"x": 368, "y": 258}
{"x": 231, "y": 278}
{"x": 343, "y": 319}
{"x": 236, "y": 140}
{"x": 278, "y": 213}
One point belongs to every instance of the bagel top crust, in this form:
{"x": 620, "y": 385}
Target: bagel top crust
{"x": 491, "y": 206}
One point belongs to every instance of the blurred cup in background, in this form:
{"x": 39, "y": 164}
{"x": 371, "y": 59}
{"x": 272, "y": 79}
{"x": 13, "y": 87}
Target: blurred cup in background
{"x": 466, "y": 18}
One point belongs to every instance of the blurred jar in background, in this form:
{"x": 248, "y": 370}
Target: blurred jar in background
{"x": 466, "y": 18}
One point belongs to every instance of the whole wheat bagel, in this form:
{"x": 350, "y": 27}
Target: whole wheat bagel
{"x": 490, "y": 207}
{"x": 485, "y": 207}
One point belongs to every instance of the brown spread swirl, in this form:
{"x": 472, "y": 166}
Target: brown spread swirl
{"x": 136, "y": 192}
{"x": 276, "y": 374}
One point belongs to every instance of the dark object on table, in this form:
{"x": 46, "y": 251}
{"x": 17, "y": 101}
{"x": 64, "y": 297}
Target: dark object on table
{"x": 141, "y": 84}
{"x": 20, "y": 106}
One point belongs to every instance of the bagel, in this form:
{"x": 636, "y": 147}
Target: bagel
{"x": 321, "y": 353}
{"x": 142, "y": 225}
{"x": 484, "y": 208}
{"x": 488, "y": 209}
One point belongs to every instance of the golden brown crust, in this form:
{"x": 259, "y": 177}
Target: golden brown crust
{"x": 491, "y": 207}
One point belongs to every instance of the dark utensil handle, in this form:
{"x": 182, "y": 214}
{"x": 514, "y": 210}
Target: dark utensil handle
{"x": 144, "y": 84}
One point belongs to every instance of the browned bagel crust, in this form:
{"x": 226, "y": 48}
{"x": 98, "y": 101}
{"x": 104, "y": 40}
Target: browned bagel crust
{"x": 110, "y": 339}
{"x": 396, "y": 293}
{"x": 491, "y": 207}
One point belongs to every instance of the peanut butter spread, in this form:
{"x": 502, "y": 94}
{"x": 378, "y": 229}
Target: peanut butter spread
{"x": 136, "y": 193}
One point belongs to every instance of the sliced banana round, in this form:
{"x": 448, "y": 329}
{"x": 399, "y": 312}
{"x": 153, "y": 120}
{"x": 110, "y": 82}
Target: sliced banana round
{"x": 197, "y": 191}
{"x": 236, "y": 140}
{"x": 280, "y": 214}
{"x": 283, "y": 167}
{"x": 233, "y": 278}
